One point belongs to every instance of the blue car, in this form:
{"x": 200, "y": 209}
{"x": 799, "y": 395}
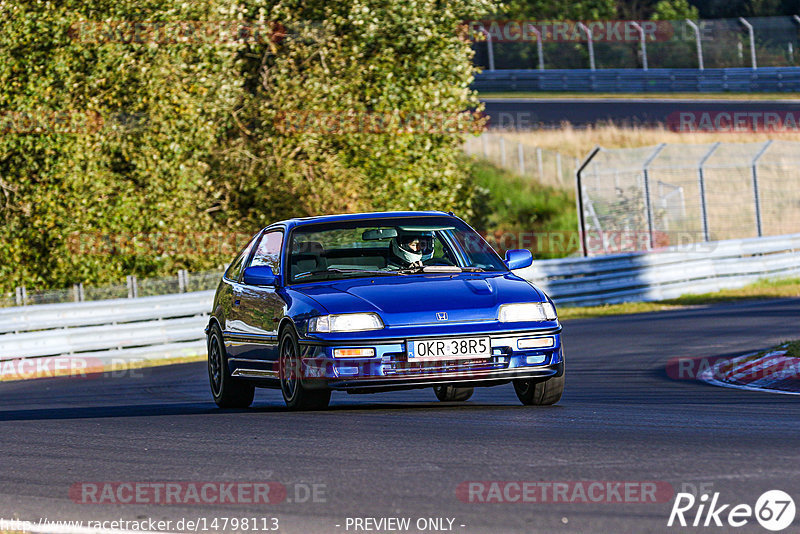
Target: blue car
{"x": 376, "y": 302}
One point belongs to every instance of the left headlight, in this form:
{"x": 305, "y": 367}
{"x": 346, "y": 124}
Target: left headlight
{"x": 345, "y": 322}
{"x": 525, "y": 312}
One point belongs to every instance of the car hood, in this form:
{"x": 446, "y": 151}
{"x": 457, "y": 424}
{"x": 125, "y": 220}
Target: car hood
{"x": 420, "y": 299}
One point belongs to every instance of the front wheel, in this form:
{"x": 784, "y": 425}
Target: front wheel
{"x": 295, "y": 395}
{"x": 448, "y": 393}
{"x": 228, "y": 391}
{"x": 533, "y": 393}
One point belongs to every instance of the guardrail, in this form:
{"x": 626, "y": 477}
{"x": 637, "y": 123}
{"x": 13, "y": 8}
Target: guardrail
{"x": 647, "y": 276}
{"x": 104, "y": 332}
{"x": 765, "y": 79}
{"x": 172, "y": 325}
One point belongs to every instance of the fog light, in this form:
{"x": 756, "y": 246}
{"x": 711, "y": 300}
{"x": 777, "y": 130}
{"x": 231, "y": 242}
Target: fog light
{"x": 347, "y": 371}
{"x": 532, "y": 360}
{"x": 535, "y": 343}
{"x": 353, "y": 353}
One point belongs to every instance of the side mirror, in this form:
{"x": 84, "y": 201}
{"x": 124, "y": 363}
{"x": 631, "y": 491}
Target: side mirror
{"x": 260, "y": 275}
{"x": 517, "y": 259}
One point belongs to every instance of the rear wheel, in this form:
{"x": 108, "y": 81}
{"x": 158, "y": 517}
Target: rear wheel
{"x": 228, "y": 391}
{"x": 447, "y": 393}
{"x": 533, "y": 393}
{"x": 297, "y": 396}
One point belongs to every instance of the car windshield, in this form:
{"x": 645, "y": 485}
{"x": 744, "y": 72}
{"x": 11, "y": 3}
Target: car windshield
{"x": 388, "y": 247}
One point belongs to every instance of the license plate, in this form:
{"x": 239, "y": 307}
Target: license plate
{"x": 449, "y": 349}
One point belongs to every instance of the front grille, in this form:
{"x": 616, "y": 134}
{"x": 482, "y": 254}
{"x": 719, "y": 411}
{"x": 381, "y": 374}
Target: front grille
{"x": 446, "y": 366}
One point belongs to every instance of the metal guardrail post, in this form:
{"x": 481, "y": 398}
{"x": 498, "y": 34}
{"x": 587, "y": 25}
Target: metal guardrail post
{"x": 133, "y": 287}
{"x": 539, "y": 49}
{"x": 521, "y": 158}
{"x": 647, "y": 201}
{"x": 579, "y": 199}
{"x": 642, "y": 42}
{"x": 698, "y": 42}
{"x": 588, "y": 32}
{"x": 756, "y": 198}
{"x": 702, "y": 184}
{"x": 749, "y": 27}
{"x": 182, "y": 281}
{"x": 19, "y": 300}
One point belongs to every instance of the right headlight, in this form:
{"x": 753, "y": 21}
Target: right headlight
{"x": 527, "y": 312}
{"x": 345, "y": 322}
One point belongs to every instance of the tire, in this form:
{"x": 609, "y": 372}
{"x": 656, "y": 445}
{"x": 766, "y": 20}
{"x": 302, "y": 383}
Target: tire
{"x": 295, "y": 395}
{"x": 228, "y": 391}
{"x": 537, "y": 393}
{"x": 447, "y": 393}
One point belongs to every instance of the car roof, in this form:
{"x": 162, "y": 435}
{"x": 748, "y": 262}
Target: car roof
{"x": 301, "y": 221}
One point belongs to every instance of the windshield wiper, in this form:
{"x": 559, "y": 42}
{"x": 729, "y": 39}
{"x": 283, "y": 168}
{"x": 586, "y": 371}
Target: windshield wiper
{"x": 335, "y": 270}
{"x": 432, "y": 269}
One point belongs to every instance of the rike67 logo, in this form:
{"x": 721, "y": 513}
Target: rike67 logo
{"x": 774, "y": 510}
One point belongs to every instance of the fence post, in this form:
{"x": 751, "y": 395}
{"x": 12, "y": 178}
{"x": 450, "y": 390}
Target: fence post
{"x": 539, "y": 50}
{"x": 76, "y": 293}
{"x": 540, "y": 163}
{"x": 647, "y": 202}
{"x": 489, "y": 47}
{"x": 749, "y": 27}
{"x": 588, "y": 32}
{"x": 20, "y": 301}
{"x": 756, "y": 198}
{"x": 579, "y": 199}
{"x": 702, "y": 184}
{"x": 502, "y": 152}
{"x": 521, "y": 157}
{"x": 643, "y": 44}
{"x": 133, "y": 287}
{"x": 558, "y": 167}
{"x": 698, "y": 42}
{"x": 485, "y": 145}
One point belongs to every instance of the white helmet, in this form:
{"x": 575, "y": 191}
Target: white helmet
{"x": 401, "y": 248}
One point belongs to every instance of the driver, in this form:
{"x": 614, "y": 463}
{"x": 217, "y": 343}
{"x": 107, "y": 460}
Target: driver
{"x": 409, "y": 249}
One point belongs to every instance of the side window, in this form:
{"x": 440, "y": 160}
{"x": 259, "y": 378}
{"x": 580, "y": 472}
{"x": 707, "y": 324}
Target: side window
{"x": 235, "y": 269}
{"x": 268, "y": 251}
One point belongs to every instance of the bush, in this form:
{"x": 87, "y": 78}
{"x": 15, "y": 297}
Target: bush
{"x": 135, "y": 140}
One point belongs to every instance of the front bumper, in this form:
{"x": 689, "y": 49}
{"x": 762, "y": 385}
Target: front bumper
{"x": 390, "y": 368}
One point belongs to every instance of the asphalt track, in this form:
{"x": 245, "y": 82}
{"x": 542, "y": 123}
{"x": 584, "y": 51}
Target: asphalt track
{"x": 513, "y": 113}
{"x": 403, "y": 454}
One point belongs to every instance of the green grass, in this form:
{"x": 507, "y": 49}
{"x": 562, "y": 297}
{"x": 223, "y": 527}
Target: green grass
{"x": 521, "y": 213}
{"x": 639, "y": 96}
{"x": 764, "y": 289}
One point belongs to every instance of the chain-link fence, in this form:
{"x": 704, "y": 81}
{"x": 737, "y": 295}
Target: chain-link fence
{"x": 718, "y": 43}
{"x": 649, "y": 197}
{"x": 545, "y": 166}
{"x": 182, "y": 282}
